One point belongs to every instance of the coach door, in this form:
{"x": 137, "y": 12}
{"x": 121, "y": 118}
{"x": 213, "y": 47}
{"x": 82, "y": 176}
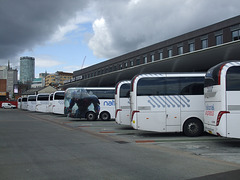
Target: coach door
{"x": 233, "y": 101}
{"x": 172, "y": 104}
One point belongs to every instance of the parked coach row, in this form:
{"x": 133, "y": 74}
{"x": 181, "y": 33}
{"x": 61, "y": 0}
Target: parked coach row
{"x": 183, "y": 102}
{"x": 162, "y": 102}
{"x": 43, "y": 102}
{"x": 79, "y": 102}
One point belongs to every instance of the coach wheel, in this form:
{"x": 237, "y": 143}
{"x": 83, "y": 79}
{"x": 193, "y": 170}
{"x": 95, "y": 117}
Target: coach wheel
{"x": 91, "y": 116}
{"x": 105, "y": 116}
{"x": 193, "y": 127}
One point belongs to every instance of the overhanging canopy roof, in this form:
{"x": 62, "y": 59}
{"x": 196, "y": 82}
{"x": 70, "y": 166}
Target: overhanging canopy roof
{"x": 196, "y": 61}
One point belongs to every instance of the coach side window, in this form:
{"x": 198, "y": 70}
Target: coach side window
{"x": 59, "y": 96}
{"x": 102, "y": 94}
{"x": 43, "y": 97}
{"x": 172, "y": 86}
{"x": 151, "y": 86}
{"x": 192, "y": 85}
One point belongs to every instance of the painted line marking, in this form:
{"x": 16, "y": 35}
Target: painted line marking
{"x": 145, "y": 141}
{"x": 176, "y": 140}
{"x": 107, "y": 132}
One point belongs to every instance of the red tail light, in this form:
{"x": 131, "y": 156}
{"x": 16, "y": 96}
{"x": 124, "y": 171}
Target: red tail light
{"x": 219, "y": 74}
{"x": 133, "y": 114}
{"x": 132, "y": 83}
{"x": 117, "y": 110}
{"x": 116, "y": 87}
{"x": 220, "y": 115}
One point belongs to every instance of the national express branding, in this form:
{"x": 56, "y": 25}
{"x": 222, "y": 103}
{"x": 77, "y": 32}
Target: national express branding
{"x": 209, "y": 110}
{"x": 109, "y": 103}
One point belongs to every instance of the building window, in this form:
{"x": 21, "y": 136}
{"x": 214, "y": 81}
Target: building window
{"x": 120, "y": 66}
{"x": 169, "y": 52}
{"x": 219, "y": 39}
{"x": 145, "y": 59}
{"x": 180, "y": 50}
{"x": 160, "y": 55}
{"x": 204, "y": 43}
{"x": 131, "y": 63}
{"x": 125, "y": 64}
{"x": 152, "y": 57}
{"x": 191, "y": 47}
{"x": 236, "y": 35}
{"x": 137, "y": 61}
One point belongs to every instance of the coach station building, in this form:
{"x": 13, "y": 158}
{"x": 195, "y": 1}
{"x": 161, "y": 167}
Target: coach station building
{"x": 194, "y": 51}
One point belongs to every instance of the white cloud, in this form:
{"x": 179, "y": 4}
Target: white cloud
{"x": 46, "y": 62}
{"x": 102, "y": 39}
{"x": 128, "y": 25}
{"x": 74, "y": 24}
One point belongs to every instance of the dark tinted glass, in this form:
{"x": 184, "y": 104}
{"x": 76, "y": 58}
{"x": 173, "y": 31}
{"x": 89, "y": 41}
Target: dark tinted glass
{"x": 42, "y": 97}
{"x": 125, "y": 91}
{"x": 59, "y": 96}
{"x": 24, "y": 99}
{"x": 32, "y": 98}
{"x": 233, "y": 79}
{"x": 151, "y": 86}
{"x": 51, "y": 97}
{"x": 211, "y": 77}
{"x": 102, "y": 94}
{"x": 191, "y": 85}
{"x": 172, "y": 86}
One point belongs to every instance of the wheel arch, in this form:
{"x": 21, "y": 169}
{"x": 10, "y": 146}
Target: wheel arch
{"x": 193, "y": 119}
{"x": 101, "y": 113}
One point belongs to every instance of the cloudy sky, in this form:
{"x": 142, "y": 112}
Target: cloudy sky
{"x": 60, "y": 33}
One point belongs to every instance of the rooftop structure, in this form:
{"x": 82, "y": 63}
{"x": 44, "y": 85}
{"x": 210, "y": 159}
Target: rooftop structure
{"x": 194, "y": 51}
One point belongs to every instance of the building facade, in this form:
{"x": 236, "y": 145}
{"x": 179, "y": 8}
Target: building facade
{"x": 9, "y": 81}
{"x": 58, "y": 78}
{"x": 27, "y": 69}
{"x": 38, "y": 82}
{"x": 196, "y": 42}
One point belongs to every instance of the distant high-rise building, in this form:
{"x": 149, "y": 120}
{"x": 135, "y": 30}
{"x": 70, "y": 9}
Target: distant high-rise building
{"x": 8, "y": 77}
{"x": 27, "y": 69}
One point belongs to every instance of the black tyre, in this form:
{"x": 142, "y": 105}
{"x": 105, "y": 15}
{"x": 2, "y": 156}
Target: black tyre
{"x": 193, "y": 127}
{"x": 91, "y": 116}
{"x": 105, "y": 116}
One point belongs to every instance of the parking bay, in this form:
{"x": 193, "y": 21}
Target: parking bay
{"x": 219, "y": 148}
